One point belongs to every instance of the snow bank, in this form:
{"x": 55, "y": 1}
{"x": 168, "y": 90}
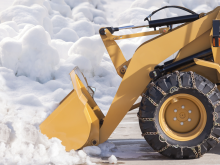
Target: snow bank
{"x": 23, "y": 14}
{"x": 27, "y": 145}
{"x": 31, "y": 56}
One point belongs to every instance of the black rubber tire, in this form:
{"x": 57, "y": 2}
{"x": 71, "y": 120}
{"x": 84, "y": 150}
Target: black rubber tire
{"x": 158, "y": 140}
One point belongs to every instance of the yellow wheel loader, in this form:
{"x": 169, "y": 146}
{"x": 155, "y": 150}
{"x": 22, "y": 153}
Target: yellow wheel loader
{"x": 180, "y": 106}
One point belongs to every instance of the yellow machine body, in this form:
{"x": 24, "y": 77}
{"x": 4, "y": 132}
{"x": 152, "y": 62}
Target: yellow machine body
{"x": 76, "y": 121}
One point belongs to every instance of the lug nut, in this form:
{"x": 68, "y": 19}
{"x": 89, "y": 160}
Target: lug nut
{"x": 181, "y": 123}
{"x": 175, "y": 110}
{"x": 174, "y": 118}
{"x": 189, "y": 111}
{"x": 189, "y": 119}
{"x": 183, "y": 106}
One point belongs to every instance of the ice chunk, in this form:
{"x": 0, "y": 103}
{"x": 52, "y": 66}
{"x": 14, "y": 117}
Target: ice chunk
{"x": 92, "y": 150}
{"x": 112, "y": 159}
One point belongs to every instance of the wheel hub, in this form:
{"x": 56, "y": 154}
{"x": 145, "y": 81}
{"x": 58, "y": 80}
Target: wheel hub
{"x": 182, "y": 117}
{"x": 179, "y": 119}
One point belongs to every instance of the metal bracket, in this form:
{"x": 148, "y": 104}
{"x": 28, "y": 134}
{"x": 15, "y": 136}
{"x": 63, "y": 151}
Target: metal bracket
{"x": 207, "y": 64}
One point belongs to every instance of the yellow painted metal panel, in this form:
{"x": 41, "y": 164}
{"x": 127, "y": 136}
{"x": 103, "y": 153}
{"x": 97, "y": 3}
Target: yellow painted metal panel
{"x": 207, "y": 64}
{"x": 199, "y": 44}
{"x": 63, "y": 121}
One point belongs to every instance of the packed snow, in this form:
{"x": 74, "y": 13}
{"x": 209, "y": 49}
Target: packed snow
{"x": 41, "y": 41}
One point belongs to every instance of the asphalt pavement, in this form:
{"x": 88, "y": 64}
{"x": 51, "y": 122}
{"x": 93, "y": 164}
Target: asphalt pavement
{"x": 136, "y": 151}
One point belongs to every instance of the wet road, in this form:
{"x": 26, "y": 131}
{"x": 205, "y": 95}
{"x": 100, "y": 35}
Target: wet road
{"x": 133, "y": 149}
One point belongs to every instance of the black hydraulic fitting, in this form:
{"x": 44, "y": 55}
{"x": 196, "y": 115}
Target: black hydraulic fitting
{"x": 111, "y": 29}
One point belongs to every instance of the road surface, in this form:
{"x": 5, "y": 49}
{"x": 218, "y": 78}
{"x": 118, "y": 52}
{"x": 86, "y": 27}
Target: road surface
{"x": 128, "y": 140}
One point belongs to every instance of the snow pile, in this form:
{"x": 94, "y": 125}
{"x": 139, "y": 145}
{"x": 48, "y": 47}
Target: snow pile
{"x": 112, "y": 159}
{"x": 26, "y": 145}
{"x": 41, "y": 41}
{"x": 21, "y": 15}
{"x": 32, "y": 55}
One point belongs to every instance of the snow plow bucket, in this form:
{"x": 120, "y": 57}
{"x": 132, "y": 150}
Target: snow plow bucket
{"x": 76, "y": 121}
